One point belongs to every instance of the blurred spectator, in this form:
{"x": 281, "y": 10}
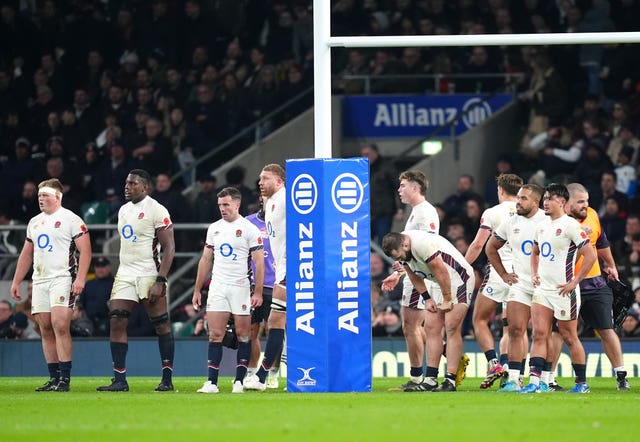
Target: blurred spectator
{"x": 631, "y": 324}
{"x": 153, "y": 152}
{"x": 26, "y": 306}
{"x": 28, "y": 202}
{"x": 625, "y": 138}
{"x": 235, "y": 178}
{"x": 207, "y": 114}
{"x": 456, "y": 229}
{"x": 357, "y": 65}
{"x": 139, "y": 324}
{"x": 625, "y": 173}
{"x": 504, "y": 164}
{"x": 472, "y": 213}
{"x": 627, "y": 251}
{"x": 110, "y": 175}
{"x": 479, "y": 63}
{"x": 81, "y": 326}
{"x": 5, "y": 320}
{"x": 386, "y": 321}
{"x": 22, "y": 327}
{"x": 612, "y": 221}
{"x": 19, "y": 169}
{"x": 385, "y": 204}
{"x": 378, "y": 268}
{"x": 172, "y": 199}
{"x": 96, "y": 294}
{"x": 591, "y": 166}
{"x": 454, "y": 205}
{"x": 11, "y": 242}
{"x": 205, "y": 205}
{"x": 608, "y": 184}
{"x": 263, "y": 96}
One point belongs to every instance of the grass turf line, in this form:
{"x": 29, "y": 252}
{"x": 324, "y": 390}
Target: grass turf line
{"x": 144, "y": 415}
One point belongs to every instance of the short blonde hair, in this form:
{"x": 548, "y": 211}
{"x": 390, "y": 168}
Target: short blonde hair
{"x": 54, "y": 183}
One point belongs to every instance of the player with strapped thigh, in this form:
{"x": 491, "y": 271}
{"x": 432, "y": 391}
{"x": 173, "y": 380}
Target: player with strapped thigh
{"x": 493, "y": 291}
{"x": 272, "y": 188}
{"x": 428, "y": 255}
{"x": 53, "y": 237}
{"x": 558, "y": 239}
{"x": 260, "y": 315}
{"x": 518, "y": 231}
{"x": 596, "y": 296}
{"x": 231, "y": 244}
{"x": 143, "y": 224}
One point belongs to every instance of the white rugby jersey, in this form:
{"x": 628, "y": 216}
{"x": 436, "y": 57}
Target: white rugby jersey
{"x": 491, "y": 220}
{"x": 558, "y": 241}
{"x": 423, "y": 217}
{"x": 275, "y": 216}
{"x": 426, "y": 246}
{"x": 138, "y": 226}
{"x": 232, "y": 244}
{"x": 54, "y": 248}
{"x": 520, "y": 231}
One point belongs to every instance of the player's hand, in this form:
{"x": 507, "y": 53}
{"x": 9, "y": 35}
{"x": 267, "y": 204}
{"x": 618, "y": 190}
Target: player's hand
{"x": 566, "y": 289}
{"x": 196, "y": 300}
{"x": 430, "y": 306}
{"x": 157, "y": 291}
{"x": 256, "y": 300}
{"x": 15, "y": 292}
{"x": 398, "y": 266}
{"x": 390, "y": 282}
{"x": 510, "y": 278}
{"x": 445, "y": 306}
{"x": 535, "y": 280}
{"x": 78, "y": 286}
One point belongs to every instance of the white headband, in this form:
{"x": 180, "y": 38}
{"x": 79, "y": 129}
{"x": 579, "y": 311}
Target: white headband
{"x": 50, "y": 191}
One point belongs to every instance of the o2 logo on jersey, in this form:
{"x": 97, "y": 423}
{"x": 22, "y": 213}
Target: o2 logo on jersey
{"x": 527, "y": 247}
{"x": 44, "y": 243}
{"x": 347, "y": 193}
{"x": 226, "y": 250}
{"x": 546, "y": 251}
{"x": 304, "y": 194}
{"x": 423, "y": 274}
{"x": 127, "y": 233}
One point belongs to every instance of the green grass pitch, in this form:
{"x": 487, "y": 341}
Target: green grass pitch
{"x": 183, "y": 415}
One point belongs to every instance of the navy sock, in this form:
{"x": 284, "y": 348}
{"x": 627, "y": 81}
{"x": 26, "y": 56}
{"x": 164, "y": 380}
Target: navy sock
{"x": 214, "y": 357}
{"x": 432, "y": 372}
{"x": 167, "y": 349}
{"x": 242, "y": 360}
{"x": 65, "y": 369}
{"x": 271, "y": 352}
{"x": 513, "y": 365}
{"x": 581, "y": 373}
{"x": 119, "y": 356}
{"x": 451, "y": 377}
{"x": 490, "y": 355}
{"x": 415, "y": 371}
{"x": 524, "y": 364}
{"x": 548, "y": 365}
{"x": 53, "y": 370}
{"x": 504, "y": 359}
{"x": 536, "y": 365}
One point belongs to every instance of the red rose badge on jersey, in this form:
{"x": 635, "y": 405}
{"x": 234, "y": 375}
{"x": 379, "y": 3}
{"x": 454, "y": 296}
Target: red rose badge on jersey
{"x": 83, "y": 228}
{"x": 583, "y": 235}
{"x": 238, "y": 233}
{"x": 432, "y": 226}
{"x": 57, "y": 224}
{"x": 558, "y": 232}
{"x": 141, "y": 215}
{"x": 166, "y": 221}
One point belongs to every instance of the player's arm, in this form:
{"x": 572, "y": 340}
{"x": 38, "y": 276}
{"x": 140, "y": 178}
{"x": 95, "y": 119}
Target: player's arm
{"x": 589, "y": 259}
{"x": 609, "y": 263}
{"x": 535, "y": 261}
{"x": 390, "y": 282}
{"x": 475, "y": 248}
{"x": 83, "y": 244}
{"x": 491, "y": 249}
{"x": 205, "y": 264}
{"x": 167, "y": 242}
{"x": 22, "y": 267}
{"x": 257, "y": 256}
{"x": 439, "y": 269}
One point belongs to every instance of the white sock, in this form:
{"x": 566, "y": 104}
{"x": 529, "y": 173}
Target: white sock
{"x": 251, "y": 371}
{"x": 274, "y": 371}
{"x": 544, "y": 376}
{"x": 514, "y": 374}
{"x": 552, "y": 377}
{"x": 621, "y": 368}
{"x": 535, "y": 380}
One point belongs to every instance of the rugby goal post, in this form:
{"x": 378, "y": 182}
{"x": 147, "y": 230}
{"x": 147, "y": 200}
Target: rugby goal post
{"x": 323, "y": 42}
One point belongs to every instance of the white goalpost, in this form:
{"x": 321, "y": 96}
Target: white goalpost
{"x": 323, "y": 42}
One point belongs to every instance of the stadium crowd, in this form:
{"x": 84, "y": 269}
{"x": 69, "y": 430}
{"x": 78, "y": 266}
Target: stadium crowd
{"x": 90, "y": 90}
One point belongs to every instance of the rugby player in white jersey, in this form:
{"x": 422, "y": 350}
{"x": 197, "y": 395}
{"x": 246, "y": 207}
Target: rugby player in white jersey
{"x": 53, "y": 238}
{"x": 493, "y": 291}
{"x": 423, "y": 216}
{"x": 558, "y": 239}
{"x": 272, "y": 188}
{"x": 428, "y": 255}
{"x": 143, "y": 224}
{"x": 518, "y": 231}
{"x": 231, "y": 244}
